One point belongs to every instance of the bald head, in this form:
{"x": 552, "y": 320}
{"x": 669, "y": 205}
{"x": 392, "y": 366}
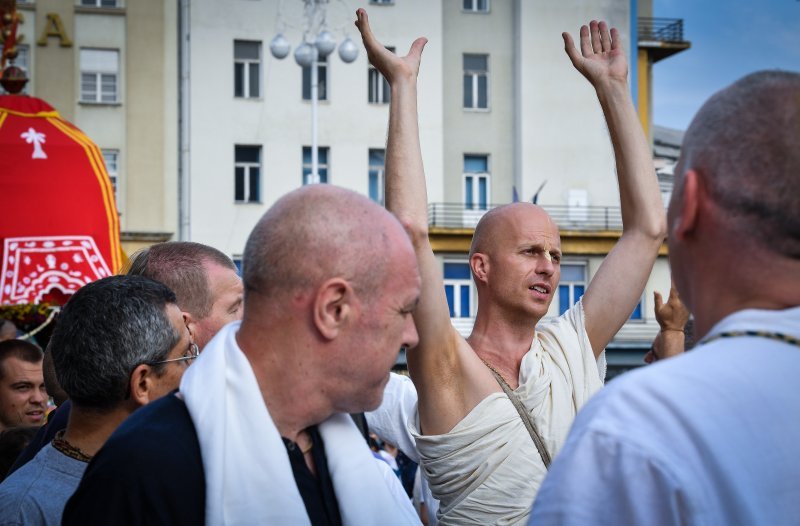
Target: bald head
{"x": 505, "y": 218}
{"x": 744, "y": 144}
{"x": 313, "y": 234}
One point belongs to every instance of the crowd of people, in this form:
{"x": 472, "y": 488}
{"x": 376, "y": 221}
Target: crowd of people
{"x": 189, "y": 395}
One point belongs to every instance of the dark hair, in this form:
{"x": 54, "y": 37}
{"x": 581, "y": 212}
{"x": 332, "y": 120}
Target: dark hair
{"x": 179, "y": 265}
{"x": 12, "y": 442}
{"x": 744, "y": 143}
{"x": 105, "y": 330}
{"x": 20, "y": 349}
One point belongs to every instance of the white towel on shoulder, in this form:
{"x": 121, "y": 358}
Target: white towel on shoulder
{"x": 249, "y": 479}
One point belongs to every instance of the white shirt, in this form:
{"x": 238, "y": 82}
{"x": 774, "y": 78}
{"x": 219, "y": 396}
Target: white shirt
{"x": 710, "y": 437}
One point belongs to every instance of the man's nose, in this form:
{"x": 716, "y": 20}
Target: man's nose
{"x": 410, "y": 335}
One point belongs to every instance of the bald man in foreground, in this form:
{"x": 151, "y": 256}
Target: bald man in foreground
{"x": 484, "y": 453}
{"x": 258, "y": 432}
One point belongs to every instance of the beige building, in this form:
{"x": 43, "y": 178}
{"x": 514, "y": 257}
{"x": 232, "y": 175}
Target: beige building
{"x": 109, "y": 67}
{"x": 204, "y": 128}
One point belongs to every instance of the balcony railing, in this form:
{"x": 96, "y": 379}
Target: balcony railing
{"x": 580, "y": 218}
{"x": 660, "y": 29}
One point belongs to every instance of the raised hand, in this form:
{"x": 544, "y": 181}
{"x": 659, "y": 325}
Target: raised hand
{"x": 673, "y": 314}
{"x": 391, "y": 66}
{"x": 601, "y": 57}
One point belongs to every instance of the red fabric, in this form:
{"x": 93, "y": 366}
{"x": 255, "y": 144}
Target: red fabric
{"x": 59, "y": 226}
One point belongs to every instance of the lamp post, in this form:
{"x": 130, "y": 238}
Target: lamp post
{"x": 318, "y": 42}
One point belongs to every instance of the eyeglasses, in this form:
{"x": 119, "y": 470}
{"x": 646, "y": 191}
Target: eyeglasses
{"x": 191, "y": 353}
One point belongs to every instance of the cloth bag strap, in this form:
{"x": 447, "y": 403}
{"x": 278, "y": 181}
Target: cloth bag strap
{"x": 526, "y": 418}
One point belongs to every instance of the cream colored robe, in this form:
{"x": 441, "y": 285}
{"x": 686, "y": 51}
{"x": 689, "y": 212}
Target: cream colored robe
{"x": 487, "y": 470}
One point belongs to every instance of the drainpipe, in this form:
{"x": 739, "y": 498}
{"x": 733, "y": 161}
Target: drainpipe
{"x": 184, "y": 172}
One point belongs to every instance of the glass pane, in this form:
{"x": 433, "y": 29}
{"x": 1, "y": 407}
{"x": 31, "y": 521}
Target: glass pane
{"x": 467, "y": 91}
{"x": 373, "y": 186}
{"x": 467, "y": 5}
{"x": 238, "y": 184}
{"x": 322, "y": 83}
{"x": 475, "y": 62}
{"x": 307, "y": 155}
{"x": 578, "y": 291}
{"x": 246, "y": 50}
{"x": 323, "y": 175}
{"x": 456, "y": 271}
{"x": 372, "y": 85}
{"x": 563, "y": 299}
{"x": 238, "y": 80}
{"x": 248, "y": 154}
{"x": 255, "y": 179}
{"x": 306, "y": 83}
{"x": 376, "y": 157}
{"x": 573, "y": 273}
{"x": 108, "y": 3}
{"x": 482, "y": 5}
{"x": 449, "y": 291}
{"x": 483, "y": 93}
{"x": 323, "y": 154}
{"x": 476, "y": 164}
{"x": 253, "y": 80}
{"x": 306, "y": 175}
{"x": 464, "y": 301}
{"x": 482, "y": 193}
{"x": 637, "y": 312}
{"x": 387, "y": 93}
{"x": 468, "y": 200}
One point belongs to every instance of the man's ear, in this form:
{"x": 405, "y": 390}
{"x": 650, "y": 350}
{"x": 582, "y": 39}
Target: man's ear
{"x": 191, "y": 324}
{"x": 691, "y": 194}
{"x": 479, "y": 263}
{"x": 141, "y": 384}
{"x": 333, "y": 307}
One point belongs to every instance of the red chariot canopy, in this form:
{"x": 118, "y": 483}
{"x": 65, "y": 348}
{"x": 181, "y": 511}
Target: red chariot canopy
{"x": 59, "y": 228}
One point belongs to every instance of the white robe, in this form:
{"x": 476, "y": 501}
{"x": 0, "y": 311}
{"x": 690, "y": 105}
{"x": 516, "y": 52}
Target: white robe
{"x": 487, "y": 470}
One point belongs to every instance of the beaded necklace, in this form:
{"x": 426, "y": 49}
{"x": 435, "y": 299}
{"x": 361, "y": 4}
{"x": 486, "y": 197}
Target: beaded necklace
{"x": 777, "y": 336}
{"x": 60, "y": 444}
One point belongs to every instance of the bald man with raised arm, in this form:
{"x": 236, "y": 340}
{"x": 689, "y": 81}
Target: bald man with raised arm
{"x": 476, "y": 452}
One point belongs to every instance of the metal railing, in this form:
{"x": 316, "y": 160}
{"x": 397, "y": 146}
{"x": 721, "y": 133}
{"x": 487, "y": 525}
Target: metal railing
{"x": 660, "y": 29}
{"x": 580, "y": 218}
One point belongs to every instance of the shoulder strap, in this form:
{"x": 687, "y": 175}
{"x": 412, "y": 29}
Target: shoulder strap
{"x": 526, "y": 418}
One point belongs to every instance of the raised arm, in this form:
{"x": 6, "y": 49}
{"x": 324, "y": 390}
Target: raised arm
{"x": 442, "y": 365}
{"x": 617, "y": 287}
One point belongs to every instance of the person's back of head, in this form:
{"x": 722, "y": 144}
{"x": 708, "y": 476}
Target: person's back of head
{"x": 318, "y": 268}
{"x": 23, "y": 397}
{"x": 204, "y": 280}
{"x": 735, "y": 200}
{"x": 105, "y": 331}
{"x": 8, "y": 331}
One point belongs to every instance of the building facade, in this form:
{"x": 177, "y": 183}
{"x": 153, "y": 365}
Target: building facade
{"x": 205, "y": 128}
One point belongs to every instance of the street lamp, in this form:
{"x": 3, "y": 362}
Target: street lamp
{"x": 318, "y": 42}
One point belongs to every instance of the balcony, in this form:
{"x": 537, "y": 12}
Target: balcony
{"x": 574, "y": 218}
{"x": 661, "y": 37}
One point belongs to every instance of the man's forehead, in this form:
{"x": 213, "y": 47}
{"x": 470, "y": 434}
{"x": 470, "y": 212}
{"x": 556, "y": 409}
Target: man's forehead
{"x": 16, "y": 369}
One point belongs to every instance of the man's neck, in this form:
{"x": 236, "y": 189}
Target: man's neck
{"x": 294, "y": 400}
{"x": 502, "y": 343}
{"x": 88, "y": 430}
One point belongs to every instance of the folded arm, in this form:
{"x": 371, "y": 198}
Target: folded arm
{"x": 617, "y": 287}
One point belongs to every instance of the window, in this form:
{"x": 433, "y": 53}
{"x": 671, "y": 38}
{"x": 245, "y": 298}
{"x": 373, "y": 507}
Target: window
{"x": 476, "y": 6}
{"x": 22, "y": 61}
{"x": 237, "y": 260}
{"x": 322, "y": 163}
{"x": 376, "y": 162}
{"x": 458, "y": 289}
{"x": 322, "y": 80}
{"x": 99, "y": 75}
{"x": 381, "y": 1}
{"x": 111, "y": 158}
{"x": 476, "y": 182}
{"x": 378, "y": 87}
{"x": 100, "y": 3}
{"x": 637, "y": 313}
{"x": 476, "y": 81}
{"x": 247, "y": 174}
{"x": 246, "y": 69}
{"x": 572, "y": 285}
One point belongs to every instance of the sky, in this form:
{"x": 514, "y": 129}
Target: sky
{"x": 730, "y": 38}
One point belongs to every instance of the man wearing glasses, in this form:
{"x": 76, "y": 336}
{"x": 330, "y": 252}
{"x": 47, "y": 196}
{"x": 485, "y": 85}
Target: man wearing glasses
{"x": 121, "y": 342}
